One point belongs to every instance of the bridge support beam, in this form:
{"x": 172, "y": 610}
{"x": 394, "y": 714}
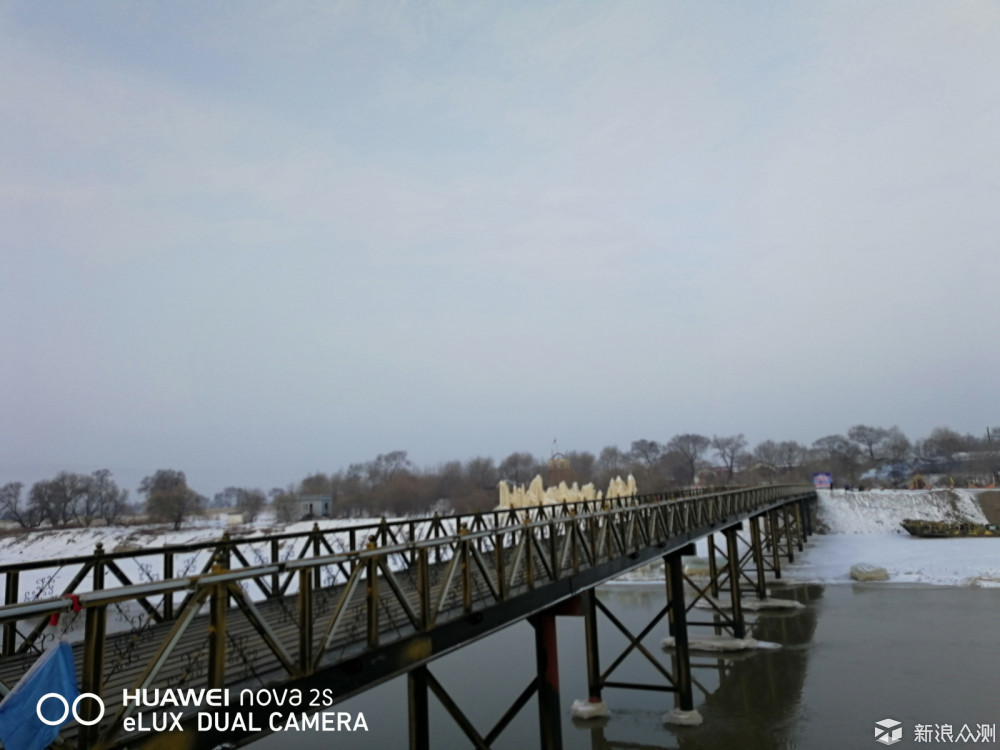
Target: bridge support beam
{"x": 773, "y": 541}
{"x": 804, "y": 520}
{"x": 684, "y": 711}
{"x": 722, "y": 578}
{"x": 547, "y": 662}
{"x": 713, "y": 567}
{"x": 733, "y": 564}
{"x": 758, "y": 557}
{"x": 417, "y": 698}
{"x": 786, "y": 515}
{"x": 594, "y": 683}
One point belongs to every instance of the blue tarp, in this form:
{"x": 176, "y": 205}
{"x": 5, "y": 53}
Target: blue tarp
{"x": 20, "y": 727}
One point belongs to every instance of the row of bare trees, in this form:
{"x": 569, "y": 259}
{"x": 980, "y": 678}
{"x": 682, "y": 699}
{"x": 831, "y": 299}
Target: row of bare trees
{"x": 67, "y": 498}
{"x": 390, "y": 484}
{"x": 71, "y": 499}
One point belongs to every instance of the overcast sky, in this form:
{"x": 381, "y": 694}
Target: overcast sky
{"x": 251, "y": 241}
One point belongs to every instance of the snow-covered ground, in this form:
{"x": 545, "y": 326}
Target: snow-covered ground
{"x": 957, "y": 562}
{"x": 864, "y": 527}
{"x": 53, "y": 543}
{"x": 881, "y": 511}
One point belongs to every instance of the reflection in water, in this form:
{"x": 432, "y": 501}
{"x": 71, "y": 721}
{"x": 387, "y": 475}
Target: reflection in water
{"x": 917, "y": 655}
{"x": 750, "y": 699}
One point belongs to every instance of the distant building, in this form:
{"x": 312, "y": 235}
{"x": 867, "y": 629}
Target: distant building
{"x": 558, "y": 470}
{"x": 315, "y": 506}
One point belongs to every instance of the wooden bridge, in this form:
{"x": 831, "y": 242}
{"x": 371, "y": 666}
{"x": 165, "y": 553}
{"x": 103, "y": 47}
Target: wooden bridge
{"x": 334, "y": 612}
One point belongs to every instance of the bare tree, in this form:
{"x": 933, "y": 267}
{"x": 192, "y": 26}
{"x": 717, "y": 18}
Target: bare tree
{"x": 482, "y": 473}
{"x": 729, "y": 449}
{"x": 11, "y": 509}
{"x": 944, "y": 443}
{"x": 519, "y": 468}
{"x": 611, "y": 462}
{"x": 388, "y": 466}
{"x": 109, "y": 500}
{"x": 314, "y": 484}
{"x": 768, "y": 452}
{"x": 868, "y": 439}
{"x": 168, "y": 497}
{"x": 449, "y": 479}
{"x": 839, "y": 453}
{"x": 59, "y": 500}
{"x": 227, "y": 498}
{"x": 691, "y": 446}
{"x": 646, "y": 453}
{"x": 286, "y": 506}
{"x": 896, "y": 447}
{"x": 250, "y": 503}
{"x": 790, "y": 455}
{"x": 581, "y": 466}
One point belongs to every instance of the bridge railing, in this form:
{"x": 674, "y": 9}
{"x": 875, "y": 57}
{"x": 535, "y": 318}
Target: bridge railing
{"x": 66, "y": 576}
{"x": 332, "y": 555}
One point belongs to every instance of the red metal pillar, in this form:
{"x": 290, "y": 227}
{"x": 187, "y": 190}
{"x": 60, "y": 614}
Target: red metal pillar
{"x": 547, "y": 660}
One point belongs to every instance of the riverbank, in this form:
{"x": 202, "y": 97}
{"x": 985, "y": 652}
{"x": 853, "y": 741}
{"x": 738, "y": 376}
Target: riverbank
{"x": 864, "y": 527}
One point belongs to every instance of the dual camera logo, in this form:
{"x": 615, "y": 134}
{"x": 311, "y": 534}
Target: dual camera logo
{"x": 888, "y": 731}
{"x": 67, "y": 708}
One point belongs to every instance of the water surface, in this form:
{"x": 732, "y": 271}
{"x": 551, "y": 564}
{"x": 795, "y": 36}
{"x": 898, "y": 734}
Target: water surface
{"x": 855, "y": 655}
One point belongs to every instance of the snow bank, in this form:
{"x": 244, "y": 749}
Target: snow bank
{"x": 864, "y": 526}
{"x": 881, "y": 511}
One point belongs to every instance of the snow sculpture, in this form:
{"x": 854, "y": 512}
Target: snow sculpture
{"x": 505, "y": 499}
{"x": 619, "y": 487}
{"x": 536, "y": 494}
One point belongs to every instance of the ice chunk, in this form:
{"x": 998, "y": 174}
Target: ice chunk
{"x": 868, "y": 572}
{"x": 756, "y": 605}
{"x": 684, "y": 718}
{"x": 589, "y": 709}
{"x": 750, "y": 605}
{"x": 721, "y": 643}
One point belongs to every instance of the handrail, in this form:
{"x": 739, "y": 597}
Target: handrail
{"x": 358, "y": 529}
{"x": 57, "y": 604}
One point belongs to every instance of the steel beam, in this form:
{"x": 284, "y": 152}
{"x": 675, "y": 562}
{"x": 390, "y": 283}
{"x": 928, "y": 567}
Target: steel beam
{"x": 547, "y": 663}
{"x": 682, "y": 667}
{"x": 416, "y": 691}
{"x": 732, "y": 558}
{"x": 588, "y": 599}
